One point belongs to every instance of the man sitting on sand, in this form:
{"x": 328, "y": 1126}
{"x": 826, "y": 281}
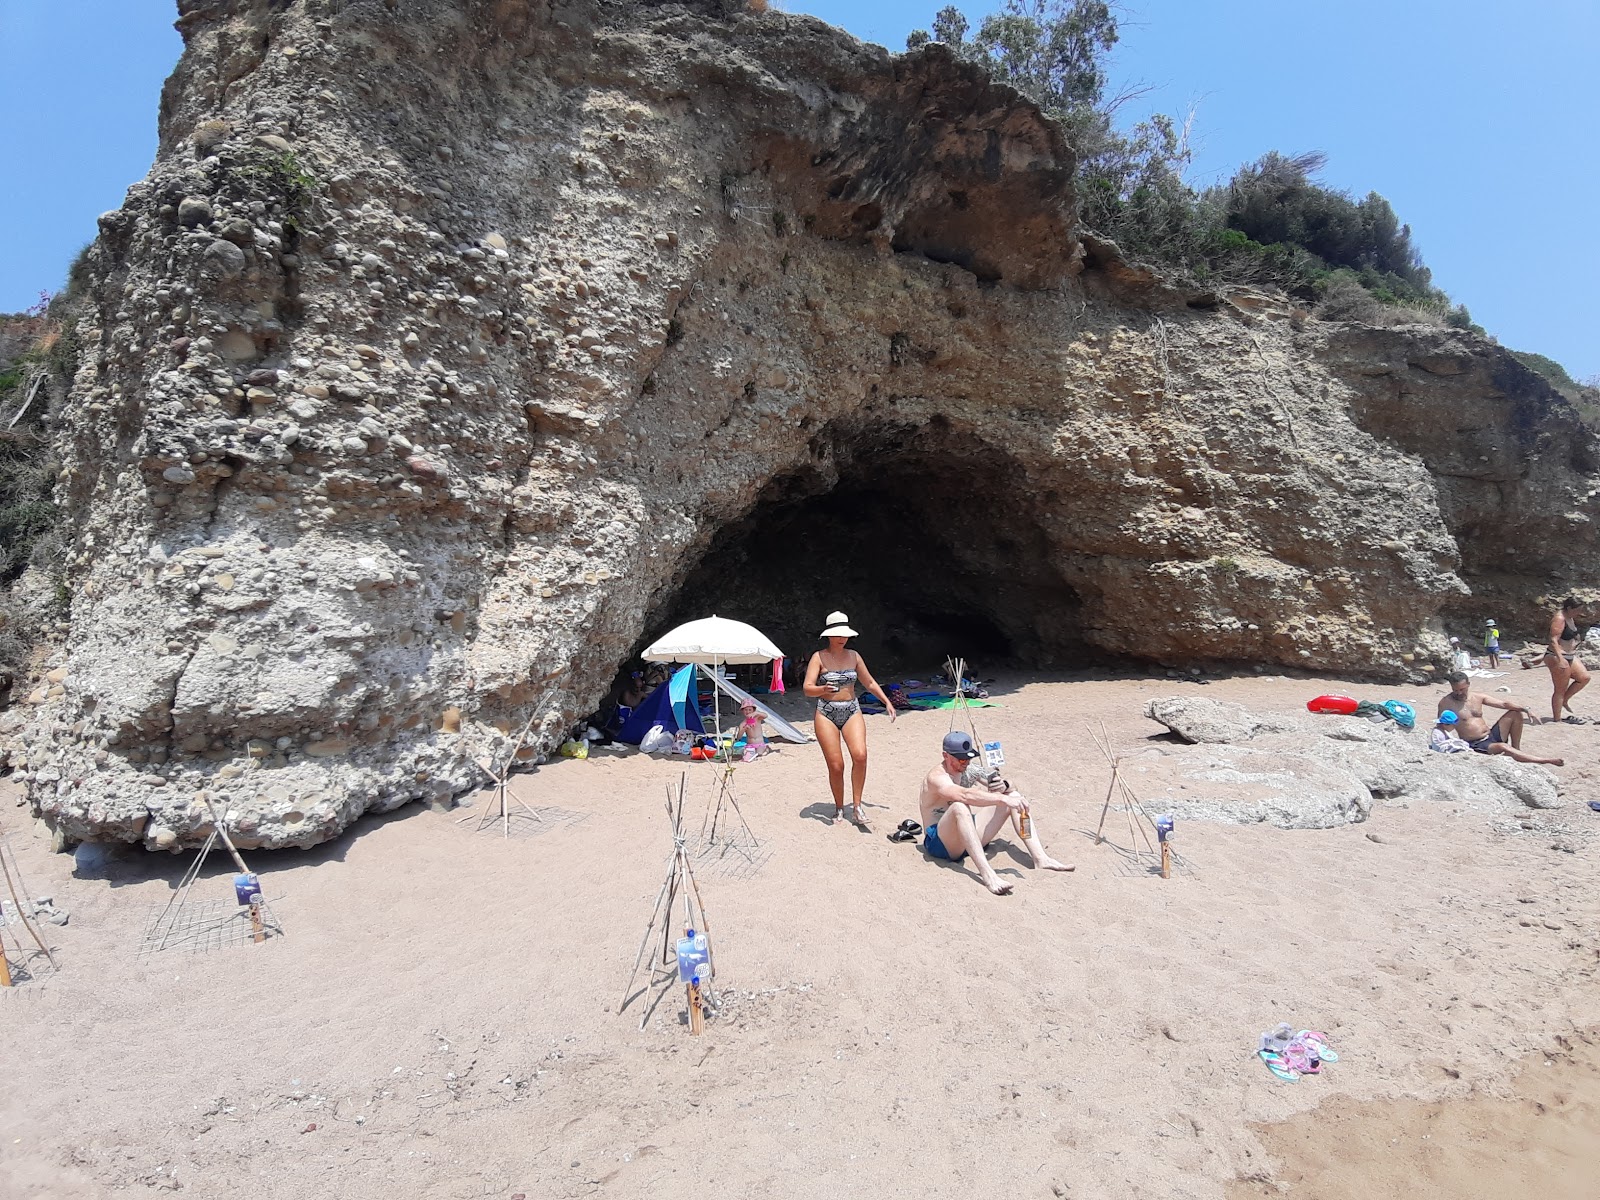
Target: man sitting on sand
{"x": 949, "y": 795}
{"x": 1474, "y": 728}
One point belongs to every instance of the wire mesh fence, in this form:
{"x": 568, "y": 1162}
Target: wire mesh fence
{"x": 534, "y": 822}
{"x": 201, "y": 926}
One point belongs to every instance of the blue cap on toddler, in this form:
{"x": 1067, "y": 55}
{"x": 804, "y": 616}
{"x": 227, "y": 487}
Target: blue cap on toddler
{"x": 1447, "y": 717}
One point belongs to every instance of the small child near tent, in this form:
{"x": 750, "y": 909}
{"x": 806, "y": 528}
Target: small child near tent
{"x": 755, "y": 739}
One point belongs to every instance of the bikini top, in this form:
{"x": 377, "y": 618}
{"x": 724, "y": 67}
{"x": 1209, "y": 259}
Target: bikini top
{"x": 837, "y": 679}
{"x": 1570, "y": 633}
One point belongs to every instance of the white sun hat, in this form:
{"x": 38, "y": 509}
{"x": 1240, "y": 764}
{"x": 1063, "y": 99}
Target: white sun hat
{"x": 839, "y": 626}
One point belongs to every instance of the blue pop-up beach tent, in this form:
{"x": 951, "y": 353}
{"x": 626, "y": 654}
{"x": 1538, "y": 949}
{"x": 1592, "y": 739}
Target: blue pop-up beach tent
{"x": 670, "y": 706}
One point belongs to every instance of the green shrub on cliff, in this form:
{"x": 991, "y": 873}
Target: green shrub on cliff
{"x": 1585, "y": 397}
{"x": 31, "y": 349}
{"x": 1272, "y": 223}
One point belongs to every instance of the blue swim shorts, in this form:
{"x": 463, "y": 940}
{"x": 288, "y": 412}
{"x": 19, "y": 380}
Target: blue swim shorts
{"x": 1489, "y": 739}
{"x": 935, "y": 847}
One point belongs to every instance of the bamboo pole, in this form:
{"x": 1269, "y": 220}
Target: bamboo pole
{"x": 1111, "y": 788}
{"x": 258, "y": 931}
{"x": 27, "y": 921}
{"x": 223, "y": 834}
{"x": 697, "y": 1018}
{"x": 1136, "y": 806}
{"x": 182, "y": 894}
{"x": 1106, "y": 807}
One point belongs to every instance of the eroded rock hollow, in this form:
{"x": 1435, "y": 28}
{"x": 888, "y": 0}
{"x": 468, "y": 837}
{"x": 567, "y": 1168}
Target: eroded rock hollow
{"x": 450, "y": 342}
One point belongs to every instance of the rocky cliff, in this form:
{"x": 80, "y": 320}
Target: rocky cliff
{"x": 453, "y": 346}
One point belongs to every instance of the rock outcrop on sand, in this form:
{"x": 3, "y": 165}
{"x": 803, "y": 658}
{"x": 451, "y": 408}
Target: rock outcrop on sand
{"x": 1314, "y": 772}
{"x": 452, "y": 346}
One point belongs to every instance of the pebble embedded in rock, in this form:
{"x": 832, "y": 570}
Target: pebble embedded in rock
{"x": 194, "y": 210}
{"x": 225, "y": 259}
{"x": 237, "y": 346}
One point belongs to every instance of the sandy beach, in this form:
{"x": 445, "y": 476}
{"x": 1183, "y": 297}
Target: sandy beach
{"x": 441, "y": 1017}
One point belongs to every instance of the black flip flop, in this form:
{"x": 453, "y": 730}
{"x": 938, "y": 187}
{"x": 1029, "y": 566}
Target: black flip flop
{"x": 908, "y": 831}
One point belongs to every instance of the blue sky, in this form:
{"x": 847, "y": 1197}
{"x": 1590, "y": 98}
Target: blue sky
{"x": 1478, "y": 124}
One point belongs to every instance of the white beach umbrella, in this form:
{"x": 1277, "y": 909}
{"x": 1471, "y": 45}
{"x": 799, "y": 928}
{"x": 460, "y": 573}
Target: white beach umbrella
{"x": 713, "y": 641}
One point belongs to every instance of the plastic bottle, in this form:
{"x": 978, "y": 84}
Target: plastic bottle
{"x": 693, "y": 951}
{"x": 1277, "y": 1038}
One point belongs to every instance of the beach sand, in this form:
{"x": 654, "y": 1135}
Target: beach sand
{"x": 441, "y": 1018}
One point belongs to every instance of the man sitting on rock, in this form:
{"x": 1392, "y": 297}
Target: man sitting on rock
{"x": 1474, "y": 728}
{"x": 949, "y": 794}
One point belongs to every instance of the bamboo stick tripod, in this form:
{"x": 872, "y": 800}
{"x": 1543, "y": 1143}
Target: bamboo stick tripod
{"x": 726, "y": 798}
{"x": 503, "y": 799}
{"x": 173, "y": 928}
{"x": 956, "y": 671}
{"x": 1138, "y": 819}
{"x": 680, "y": 882}
{"x": 170, "y": 929}
{"x": 13, "y": 878}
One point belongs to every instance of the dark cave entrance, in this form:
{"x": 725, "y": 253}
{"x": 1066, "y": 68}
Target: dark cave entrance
{"x": 932, "y": 540}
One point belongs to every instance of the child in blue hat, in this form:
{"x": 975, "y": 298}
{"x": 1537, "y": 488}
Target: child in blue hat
{"x": 1444, "y": 737}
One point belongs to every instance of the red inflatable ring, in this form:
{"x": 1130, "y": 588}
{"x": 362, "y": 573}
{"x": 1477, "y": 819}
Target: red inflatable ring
{"x": 1342, "y": 705}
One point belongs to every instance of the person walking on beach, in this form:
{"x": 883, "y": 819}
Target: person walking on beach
{"x": 1473, "y": 727}
{"x": 950, "y": 827}
{"x": 831, "y": 679}
{"x": 1491, "y": 643}
{"x": 1568, "y": 675}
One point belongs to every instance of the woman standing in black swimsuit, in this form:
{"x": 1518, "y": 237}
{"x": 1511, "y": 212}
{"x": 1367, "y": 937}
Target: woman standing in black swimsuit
{"x": 831, "y": 678}
{"x": 1568, "y": 675}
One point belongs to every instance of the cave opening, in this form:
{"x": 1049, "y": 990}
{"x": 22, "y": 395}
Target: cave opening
{"x": 929, "y": 537}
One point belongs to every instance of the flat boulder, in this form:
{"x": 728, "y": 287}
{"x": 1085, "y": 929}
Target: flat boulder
{"x": 1488, "y": 782}
{"x": 1196, "y": 719}
{"x": 1247, "y": 786}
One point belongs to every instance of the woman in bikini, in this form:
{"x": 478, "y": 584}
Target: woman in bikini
{"x": 1568, "y": 675}
{"x": 831, "y": 678}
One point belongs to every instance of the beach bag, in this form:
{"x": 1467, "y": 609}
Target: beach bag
{"x": 1374, "y": 712}
{"x": 656, "y": 741}
{"x": 1404, "y": 715}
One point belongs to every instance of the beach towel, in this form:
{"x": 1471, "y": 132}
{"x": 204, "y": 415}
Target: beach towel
{"x": 952, "y": 701}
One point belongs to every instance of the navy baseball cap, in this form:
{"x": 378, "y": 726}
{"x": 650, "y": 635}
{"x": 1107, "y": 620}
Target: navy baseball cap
{"x": 959, "y": 745}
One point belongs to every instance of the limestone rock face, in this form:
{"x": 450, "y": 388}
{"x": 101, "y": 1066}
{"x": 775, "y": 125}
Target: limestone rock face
{"x": 452, "y": 347}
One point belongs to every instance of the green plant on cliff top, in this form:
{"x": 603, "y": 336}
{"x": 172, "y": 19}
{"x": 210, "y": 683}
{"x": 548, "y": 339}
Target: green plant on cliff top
{"x": 1272, "y": 223}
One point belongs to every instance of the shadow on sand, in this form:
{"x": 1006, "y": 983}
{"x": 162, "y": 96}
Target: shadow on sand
{"x": 122, "y": 865}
